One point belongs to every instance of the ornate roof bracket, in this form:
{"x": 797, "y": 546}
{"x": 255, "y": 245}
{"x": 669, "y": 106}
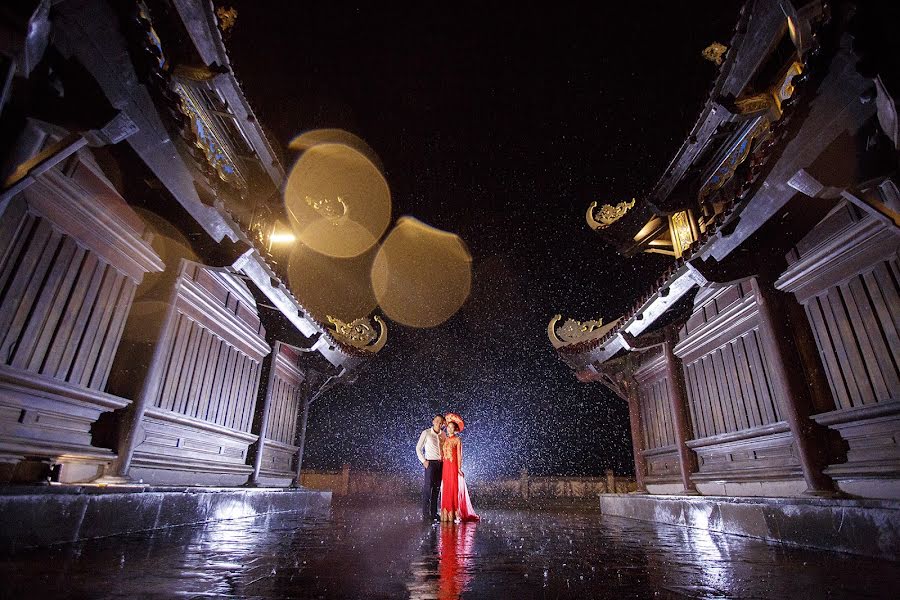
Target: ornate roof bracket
{"x": 646, "y": 342}
{"x": 574, "y": 332}
{"x": 360, "y": 333}
{"x": 607, "y": 215}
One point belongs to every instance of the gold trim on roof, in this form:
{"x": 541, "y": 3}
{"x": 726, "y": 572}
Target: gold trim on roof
{"x": 572, "y": 331}
{"x": 739, "y": 153}
{"x": 607, "y": 214}
{"x": 360, "y": 333}
{"x": 715, "y": 53}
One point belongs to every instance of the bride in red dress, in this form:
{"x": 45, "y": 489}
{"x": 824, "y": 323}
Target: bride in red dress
{"x": 455, "y": 503}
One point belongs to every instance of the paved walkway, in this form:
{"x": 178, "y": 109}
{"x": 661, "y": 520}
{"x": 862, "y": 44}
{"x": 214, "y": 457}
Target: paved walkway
{"x": 387, "y": 553}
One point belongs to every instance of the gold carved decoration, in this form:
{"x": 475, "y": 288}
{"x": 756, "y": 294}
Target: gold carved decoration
{"x": 327, "y": 208}
{"x": 715, "y": 52}
{"x": 681, "y": 231}
{"x": 360, "y": 333}
{"x": 207, "y": 138}
{"x": 607, "y": 215}
{"x": 754, "y": 103}
{"x": 785, "y": 89}
{"x": 573, "y": 331}
{"x": 771, "y": 100}
{"x": 227, "y": 17}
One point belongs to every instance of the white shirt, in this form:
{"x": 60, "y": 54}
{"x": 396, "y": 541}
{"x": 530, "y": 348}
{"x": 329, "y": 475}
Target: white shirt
{"x": 430, "y": 442}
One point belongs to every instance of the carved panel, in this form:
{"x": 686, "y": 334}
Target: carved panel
{"x": 278, "y": 458}
{"x": 725, "y": 366}
{"x": 69, "y": 266}
{"x": 847, "y": 275}
{"x": 662, "y": 464}
{"x": 202, "y": 412}
{"x": 71, "y": 255}
{"x": 755, "y": 454}
{"x": 213, "y": 351}
{"x": 653, "y": 394}
{"x": 285, "y": 403}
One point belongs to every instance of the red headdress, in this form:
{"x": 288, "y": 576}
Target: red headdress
{"x": 455, "y": 418}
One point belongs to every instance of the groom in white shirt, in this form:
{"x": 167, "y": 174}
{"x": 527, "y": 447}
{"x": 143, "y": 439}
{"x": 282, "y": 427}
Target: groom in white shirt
{"x": 428, "y": 451}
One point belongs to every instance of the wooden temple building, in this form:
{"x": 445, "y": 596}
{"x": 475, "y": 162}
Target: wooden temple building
{"x": 764, "y": 361}
{"x": 147, "y": 328}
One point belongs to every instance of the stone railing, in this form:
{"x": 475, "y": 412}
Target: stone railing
{"x": 347, "y": 482}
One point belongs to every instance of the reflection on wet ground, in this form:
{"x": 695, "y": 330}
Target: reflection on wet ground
{"x": 386, "y": 552}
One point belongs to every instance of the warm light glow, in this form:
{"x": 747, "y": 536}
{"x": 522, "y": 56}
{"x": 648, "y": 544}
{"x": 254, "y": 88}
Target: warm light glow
{"x": 421, "y": 275}
{"x": 282, "y": 238}
{"x": 792, "y": 31}
{"x": 338, "y": 201}
{"x": 305, "y": 141}
{"x": 339, "y": 287}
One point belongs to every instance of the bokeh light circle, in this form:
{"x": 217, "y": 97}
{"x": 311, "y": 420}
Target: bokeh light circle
{"x": 307, "y": 140}
{"x": 328, "y": 286}
{"x": 338, "y": 201}
{"x": 421, "y": 275}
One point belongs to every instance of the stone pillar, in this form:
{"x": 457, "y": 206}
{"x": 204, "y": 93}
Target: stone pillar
{"x": 610, "y": 482}
{"x": 637, "y": 436}
{"x": 268, "y": 366}
{"x": 687, "y": 459}
{"x": 790, "y": 385}
{"x": 301, "y": 441}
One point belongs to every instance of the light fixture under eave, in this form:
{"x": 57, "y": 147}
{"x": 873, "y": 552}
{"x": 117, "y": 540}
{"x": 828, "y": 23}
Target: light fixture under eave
{"x": 280, "y": 237}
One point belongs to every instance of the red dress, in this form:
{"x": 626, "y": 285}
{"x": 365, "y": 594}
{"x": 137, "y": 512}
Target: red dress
{"x": 455, "y": 503}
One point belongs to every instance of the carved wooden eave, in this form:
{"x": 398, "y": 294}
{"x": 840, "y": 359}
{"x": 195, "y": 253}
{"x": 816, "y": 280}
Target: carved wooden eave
{"x": 202, "y": 26}
{"x": 676, "y": 283}
{"x": 776, "y": 170}
{"x": 629, "y": 226}
{"x": 183, "y": 88}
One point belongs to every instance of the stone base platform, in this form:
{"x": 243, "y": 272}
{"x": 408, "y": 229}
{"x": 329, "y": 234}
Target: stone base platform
{"x": 56, "y": 514}
{"x": 866, "y": 527}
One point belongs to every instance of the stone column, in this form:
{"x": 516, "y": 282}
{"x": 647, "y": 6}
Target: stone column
{"x": 637, "y": 436}
{"x": 301, "y": 441}
{"x": 687, "y": 459}
{"x": 268, "y": 367}
{"x": 790, "y": 385}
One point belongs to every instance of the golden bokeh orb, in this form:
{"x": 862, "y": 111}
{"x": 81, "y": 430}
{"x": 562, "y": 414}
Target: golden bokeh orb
{"x": 328, "y": 286}
{"x": 337, "y": 200}
{"x": 421, "y": 275}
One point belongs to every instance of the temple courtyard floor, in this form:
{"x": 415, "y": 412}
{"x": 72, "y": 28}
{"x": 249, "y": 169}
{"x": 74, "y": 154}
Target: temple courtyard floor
{"x": 387, "y": 552}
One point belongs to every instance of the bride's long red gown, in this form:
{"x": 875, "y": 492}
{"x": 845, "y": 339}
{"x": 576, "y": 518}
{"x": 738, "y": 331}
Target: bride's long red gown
{"x": 455, "y": 503}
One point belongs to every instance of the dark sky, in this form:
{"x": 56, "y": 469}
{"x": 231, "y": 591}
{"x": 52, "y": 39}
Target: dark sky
{"x": 500, "y": 126}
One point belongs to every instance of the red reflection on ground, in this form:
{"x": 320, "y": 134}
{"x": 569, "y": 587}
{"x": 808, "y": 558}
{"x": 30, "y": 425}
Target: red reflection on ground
{"x": 456, "y": 555}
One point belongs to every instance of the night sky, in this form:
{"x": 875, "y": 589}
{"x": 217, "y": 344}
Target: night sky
{"x": 501, "y": 127}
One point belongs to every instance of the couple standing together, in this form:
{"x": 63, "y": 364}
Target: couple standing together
{"x": 440, "y": 452}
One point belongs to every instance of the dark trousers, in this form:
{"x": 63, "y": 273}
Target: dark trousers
{"x": 431, "y": 487}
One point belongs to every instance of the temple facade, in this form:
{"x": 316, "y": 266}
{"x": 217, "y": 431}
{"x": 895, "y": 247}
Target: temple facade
{"x": 764, "y": 361}
{"x": 148, "y": 330}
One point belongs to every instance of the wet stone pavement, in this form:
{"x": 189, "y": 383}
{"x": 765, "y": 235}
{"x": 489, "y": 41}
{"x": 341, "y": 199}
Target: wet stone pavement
{"x": 385, "y": 552}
